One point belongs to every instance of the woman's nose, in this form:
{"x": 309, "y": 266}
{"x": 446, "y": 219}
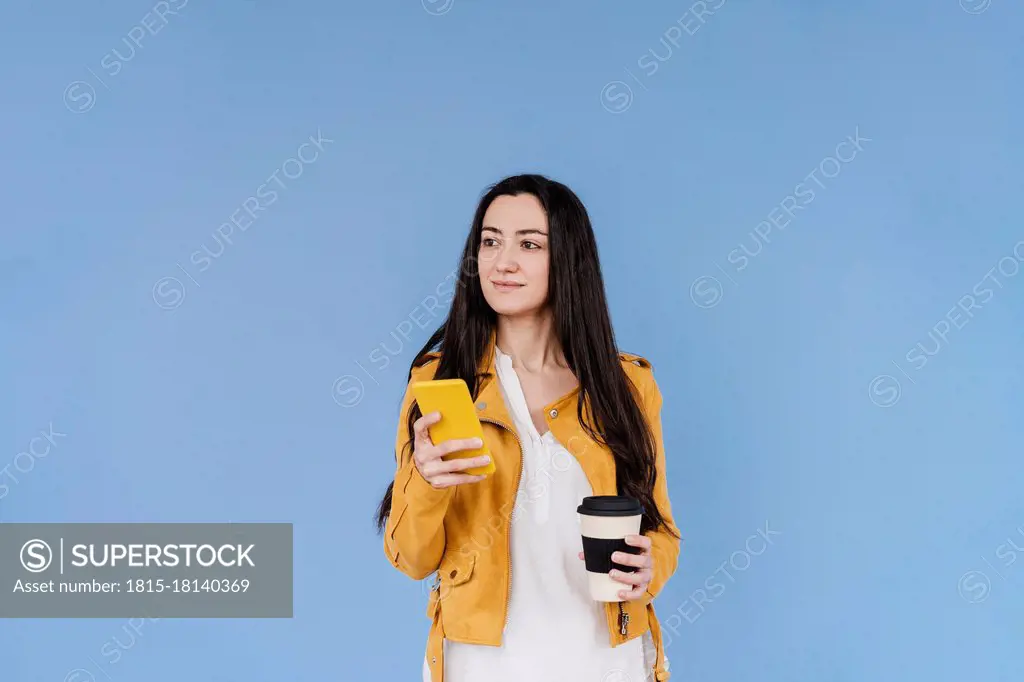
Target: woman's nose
{"x": 506, "y": 263}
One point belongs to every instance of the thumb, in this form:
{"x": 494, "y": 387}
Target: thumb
{"x": 580, "y": 555}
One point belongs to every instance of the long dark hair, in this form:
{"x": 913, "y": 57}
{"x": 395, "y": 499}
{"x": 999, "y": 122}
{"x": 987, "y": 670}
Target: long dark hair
{"x": 577, "y": 298}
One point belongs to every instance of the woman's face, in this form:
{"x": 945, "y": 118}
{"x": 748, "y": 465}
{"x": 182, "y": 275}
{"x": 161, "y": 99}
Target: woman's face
{"x": 514, "y": 256}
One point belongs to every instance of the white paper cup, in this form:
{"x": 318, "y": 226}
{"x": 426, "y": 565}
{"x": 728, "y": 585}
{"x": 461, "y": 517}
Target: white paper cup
{"x": 605, "y": 521}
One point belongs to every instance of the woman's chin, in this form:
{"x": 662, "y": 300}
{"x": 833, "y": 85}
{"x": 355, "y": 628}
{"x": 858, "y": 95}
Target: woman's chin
{"x": 511, "y": 309}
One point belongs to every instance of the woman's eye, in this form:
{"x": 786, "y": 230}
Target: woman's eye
{"x": 531, "y": 246}
{"x": 488, "y": 241}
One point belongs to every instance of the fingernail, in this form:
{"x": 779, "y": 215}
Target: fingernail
{"x": 478, "y": 442}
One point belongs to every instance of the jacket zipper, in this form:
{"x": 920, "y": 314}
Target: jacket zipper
{"x": 623, "y": 621}
{"x": 515, "y": 493}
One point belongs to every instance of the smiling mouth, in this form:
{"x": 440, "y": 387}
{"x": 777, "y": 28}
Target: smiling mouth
{"x": 507, "y": 285}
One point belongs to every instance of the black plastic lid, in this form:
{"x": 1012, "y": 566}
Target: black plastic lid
{"x": 610, "y": 505}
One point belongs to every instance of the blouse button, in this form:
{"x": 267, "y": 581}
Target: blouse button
{"x": 481, "y": 406}
{"x": 553, "y": 413}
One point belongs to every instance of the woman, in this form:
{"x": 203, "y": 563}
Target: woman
{"x": 565, "y": 415}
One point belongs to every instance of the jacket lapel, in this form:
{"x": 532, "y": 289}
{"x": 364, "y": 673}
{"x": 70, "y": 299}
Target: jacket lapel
{"x": 489, "y": 403}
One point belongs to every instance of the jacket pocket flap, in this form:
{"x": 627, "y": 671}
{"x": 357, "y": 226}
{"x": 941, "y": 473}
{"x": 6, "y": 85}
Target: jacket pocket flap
{"x": 457, "y": 570}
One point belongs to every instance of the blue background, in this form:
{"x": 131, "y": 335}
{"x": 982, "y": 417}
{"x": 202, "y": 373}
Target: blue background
{"x": 226, "y": 404}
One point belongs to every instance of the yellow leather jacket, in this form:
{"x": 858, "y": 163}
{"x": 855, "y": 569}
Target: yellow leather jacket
{"x": 463, "y": 532}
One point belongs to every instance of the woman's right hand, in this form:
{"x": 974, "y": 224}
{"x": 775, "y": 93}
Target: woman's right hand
{"x": 427, "y": 456}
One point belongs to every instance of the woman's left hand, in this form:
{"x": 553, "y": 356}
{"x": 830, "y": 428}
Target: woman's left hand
{"x": 644, "y": 563}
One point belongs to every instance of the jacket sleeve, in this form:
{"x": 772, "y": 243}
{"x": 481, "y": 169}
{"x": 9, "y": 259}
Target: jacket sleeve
{"x": 664, "y": 546}
{"x": 414, "y": 537}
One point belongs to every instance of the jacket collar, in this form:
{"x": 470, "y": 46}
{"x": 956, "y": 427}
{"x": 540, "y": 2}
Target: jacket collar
{"x": 490, "y": 404}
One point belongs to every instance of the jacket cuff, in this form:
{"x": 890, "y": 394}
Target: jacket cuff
{"x": 421, "y": 496}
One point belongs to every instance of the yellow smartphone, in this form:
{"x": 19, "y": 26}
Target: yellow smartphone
{"x": 451, "y": 398}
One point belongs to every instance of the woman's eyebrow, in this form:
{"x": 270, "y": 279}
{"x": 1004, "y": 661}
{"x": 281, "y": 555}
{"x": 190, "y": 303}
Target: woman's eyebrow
{"x": 488, "y": 228}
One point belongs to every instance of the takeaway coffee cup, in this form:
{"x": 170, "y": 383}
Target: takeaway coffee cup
{"x": 605, "y": 521}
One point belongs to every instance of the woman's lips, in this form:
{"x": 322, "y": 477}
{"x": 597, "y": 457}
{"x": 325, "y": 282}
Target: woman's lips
{"x": 506, "y": 287}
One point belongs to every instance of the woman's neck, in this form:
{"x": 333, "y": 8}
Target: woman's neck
{"x": 531, "y": 341}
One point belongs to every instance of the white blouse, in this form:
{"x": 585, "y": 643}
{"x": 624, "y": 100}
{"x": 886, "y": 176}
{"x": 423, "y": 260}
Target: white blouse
{"x": 555, "y": 631}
